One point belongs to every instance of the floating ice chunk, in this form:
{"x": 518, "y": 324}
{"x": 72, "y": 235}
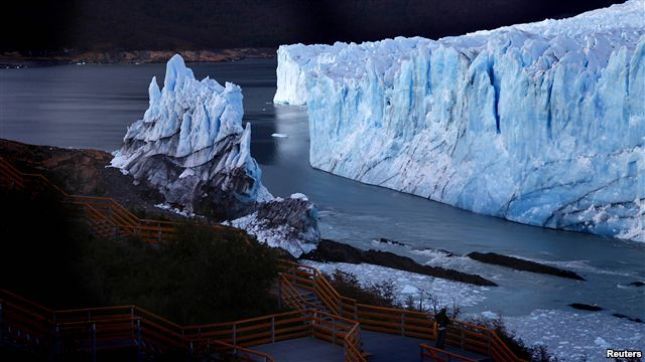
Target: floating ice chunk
{"x": 601, "y": 342}
{"x": 489, "y": 315}
{"x": 409, "y": 289}
{"x": 299, "y": 196}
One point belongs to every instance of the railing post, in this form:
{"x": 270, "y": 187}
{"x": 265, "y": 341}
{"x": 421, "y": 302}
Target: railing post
{"x": 434, "y": 331}
{"x": 402, "y": 324}
{"x": 280, "y": 292}
{"x": 1, "y": 323}
{"x": 346, "y": 356}
{"x": 235, "y": 334}
{"x": 461, "y": 337}
{"x": 58, "y": 340}
{"x": 115, "y": 232}
{"x": 333, "y": 332}
{"x": 138, "y": 341}
{"x": 93, "y": 341}
{"x": 272, "y": 329}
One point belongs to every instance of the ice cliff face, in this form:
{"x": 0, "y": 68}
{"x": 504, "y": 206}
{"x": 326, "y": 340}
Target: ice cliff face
{"x": 191, "y": 146}
{"x": 539, "y": 123}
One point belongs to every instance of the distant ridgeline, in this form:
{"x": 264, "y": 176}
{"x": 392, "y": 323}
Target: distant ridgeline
{"x": 540, "y": 123}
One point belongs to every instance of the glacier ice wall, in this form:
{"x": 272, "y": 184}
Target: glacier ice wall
{"x": 540, "y": 123}
{"x": 191, "y": 146}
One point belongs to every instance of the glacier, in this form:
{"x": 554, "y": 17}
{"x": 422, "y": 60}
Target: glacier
{"x": 540, "y": 123}
{"x": 192, "y": 147}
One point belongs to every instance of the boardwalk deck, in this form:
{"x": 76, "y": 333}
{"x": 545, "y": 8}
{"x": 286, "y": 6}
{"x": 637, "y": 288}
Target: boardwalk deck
{"x": 381, "y": 347}
{"x": 303, "y": 350}
{"x": 388, "y": 347}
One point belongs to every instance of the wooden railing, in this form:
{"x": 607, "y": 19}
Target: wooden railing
{"x": 290, "y": 296}
{"x": 11, "y": 177}
{"x": 239, "y": 353}
{"x": 94, "y": 329}
{"x": 353, "y": 345}
{"x": 253, "y": 331}
{"x": 499, "y": 350}
{"x": 331, "y": 326}
{"x": 308, "y": 278}
{"x": 24, "y": 321}
{"x": 374, "y": 318}
{"x": 463, "y": 335}
{"x": 107, "y": 217}
{"x": 441, "y": 355}
{"x": 396, "y": 321}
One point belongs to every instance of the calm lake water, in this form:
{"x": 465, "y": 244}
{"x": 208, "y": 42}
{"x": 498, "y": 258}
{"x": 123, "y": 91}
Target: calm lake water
{"x": 90, "y": 107}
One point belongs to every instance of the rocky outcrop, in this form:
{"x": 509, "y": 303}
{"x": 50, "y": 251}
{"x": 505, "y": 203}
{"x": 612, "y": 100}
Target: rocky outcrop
{"x": 289, "y": 224}
{"x": 523, "y": 264}
{"x": 84, "y": 172}
{"x": 331, "y": 251}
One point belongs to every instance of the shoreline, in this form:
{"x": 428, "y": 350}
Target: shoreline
{"x": 77, "y": 166}
{"x": 17, "y": 59}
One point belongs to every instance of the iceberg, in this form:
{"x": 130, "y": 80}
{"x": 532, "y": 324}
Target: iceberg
{"x": 192, "y": 147}
{"x": 540, "y": 123}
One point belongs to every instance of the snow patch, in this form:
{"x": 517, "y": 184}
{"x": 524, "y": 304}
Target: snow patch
{"x": 447, "y": 293}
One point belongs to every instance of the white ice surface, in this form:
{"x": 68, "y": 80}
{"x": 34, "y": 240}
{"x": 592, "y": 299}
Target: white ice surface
{"x": 578, "y": 336}
{"x": 447, "y": 293}
{"x": 540, "y": 123}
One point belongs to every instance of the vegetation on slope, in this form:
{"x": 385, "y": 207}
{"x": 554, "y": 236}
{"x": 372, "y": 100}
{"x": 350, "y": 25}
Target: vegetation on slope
{"x": 202, "y": 276}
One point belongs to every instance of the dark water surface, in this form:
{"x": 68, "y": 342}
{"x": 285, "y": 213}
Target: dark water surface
{"x": 90, "y": 107}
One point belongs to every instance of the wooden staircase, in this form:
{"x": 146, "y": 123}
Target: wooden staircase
{"x": 319, "y": 310}
{"x": 106, "y": 217}
{"x": 310, "y": 287}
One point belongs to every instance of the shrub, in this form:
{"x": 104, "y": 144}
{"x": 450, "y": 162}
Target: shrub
{"x": 201, "y": 276}
{"x": 381, "y": 294}
{"x": 39, "y": 249}
{"x": 537, "y": 353}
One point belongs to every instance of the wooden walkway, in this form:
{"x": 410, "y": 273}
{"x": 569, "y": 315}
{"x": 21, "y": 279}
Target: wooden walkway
{"x": 384, "y": 347}
{"x": 322, "y": 326}
{"x": 381, "y": 347}
{"x": 303, "y": 350}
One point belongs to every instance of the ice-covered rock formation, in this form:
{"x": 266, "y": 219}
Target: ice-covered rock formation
{"x": 191, "y": 145}
{"x": 539, "y": 123}
{"x": 284, "y": 223}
